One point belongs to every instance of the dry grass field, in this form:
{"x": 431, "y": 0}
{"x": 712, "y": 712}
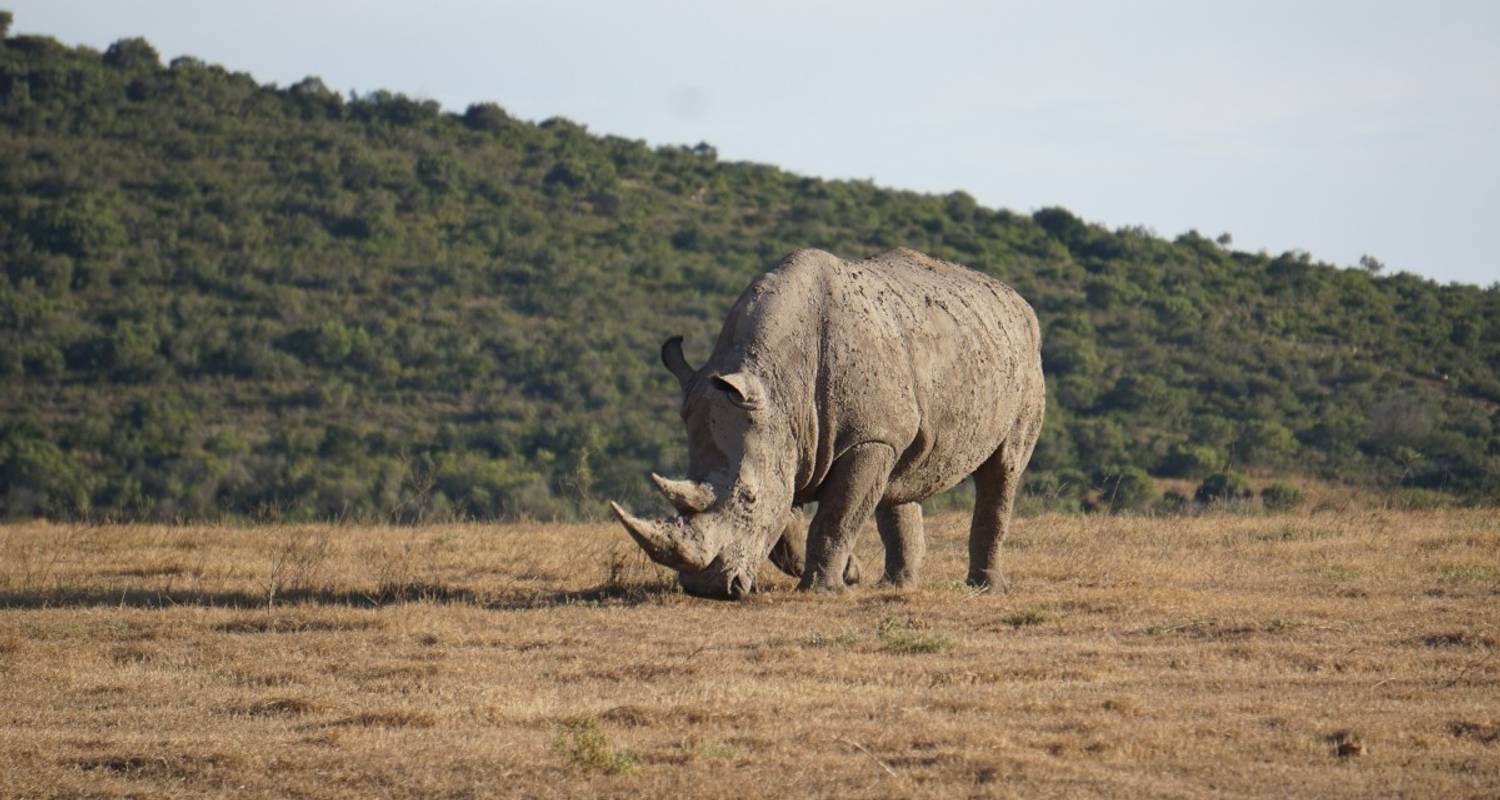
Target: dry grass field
{"x": 1321, "y": 654}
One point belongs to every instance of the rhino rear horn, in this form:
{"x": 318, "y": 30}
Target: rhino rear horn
{"x": 686, "y": 496}
{"x": 668, "y": 544}
{"x": 671, "y": 356}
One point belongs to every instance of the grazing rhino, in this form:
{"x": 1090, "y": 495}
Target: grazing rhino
{"x": 864, "y": 386}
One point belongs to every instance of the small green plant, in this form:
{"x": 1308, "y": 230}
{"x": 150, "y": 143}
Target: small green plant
{"x": 710, "y": 749}
{"x": 908, "y": 636}
{"x": 841, "y": 638}
{"x": 1414, "y": 499}
{"x": 582, "y": 742}
{"x": 1468, "y": 572}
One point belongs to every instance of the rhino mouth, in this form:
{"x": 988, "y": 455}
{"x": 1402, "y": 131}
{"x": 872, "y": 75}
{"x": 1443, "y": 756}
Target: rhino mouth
{"x": 708, "y": 549}
{"x": 717, "y": 582}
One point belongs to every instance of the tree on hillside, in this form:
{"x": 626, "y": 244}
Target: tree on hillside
{"x": 132, "y": 54}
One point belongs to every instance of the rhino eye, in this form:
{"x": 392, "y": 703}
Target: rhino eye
{"x": 745, "y": 494}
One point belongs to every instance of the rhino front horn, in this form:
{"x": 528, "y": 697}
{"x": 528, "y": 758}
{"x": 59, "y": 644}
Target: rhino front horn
{"x": 671, "y": 545}
{"x": 686, "y": 496}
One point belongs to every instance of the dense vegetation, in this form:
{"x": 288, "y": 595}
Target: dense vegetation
{"x": 225, "y": 297}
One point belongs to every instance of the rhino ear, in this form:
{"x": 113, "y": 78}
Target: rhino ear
{"x": 671, "y": 356}
{"x": 746, "y": 389}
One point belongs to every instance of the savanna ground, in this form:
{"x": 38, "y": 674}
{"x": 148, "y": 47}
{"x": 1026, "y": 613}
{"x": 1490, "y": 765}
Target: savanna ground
{"x": 1313, "y": 654}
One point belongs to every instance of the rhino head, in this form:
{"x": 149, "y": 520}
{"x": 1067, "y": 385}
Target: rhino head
{"x": 736, "y": 502}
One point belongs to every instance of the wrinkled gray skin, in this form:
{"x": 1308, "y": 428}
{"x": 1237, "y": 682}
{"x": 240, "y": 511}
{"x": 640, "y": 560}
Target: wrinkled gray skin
{"x": 867, "y": 387}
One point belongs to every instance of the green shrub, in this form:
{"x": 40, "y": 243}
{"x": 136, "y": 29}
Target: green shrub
{"x": 1413, "y": 499}
{"x": 1187, "y": 460}
{"x": 1172, "y": 502}
{"x": 1223, "y": 487}
{"x": 38, "y": 479}
{"x": 1127, "y": 489}
{"x": 1025, "y": 617}
{"x": 1280, "y": 497}
{"x": 1266, "y": 442}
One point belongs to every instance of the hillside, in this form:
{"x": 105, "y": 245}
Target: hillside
{"x": 222, "y": 297}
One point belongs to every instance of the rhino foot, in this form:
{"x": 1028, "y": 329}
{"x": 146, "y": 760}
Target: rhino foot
{"x": 822, "y": 583}
{"x": 992, "y": 581}
{"x": 788, "y": 556}
{"x": 852, "y": 573}
{"x": 901, "y": 580}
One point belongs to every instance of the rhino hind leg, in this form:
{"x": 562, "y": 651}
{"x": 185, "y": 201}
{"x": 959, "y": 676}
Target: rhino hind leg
{"x": 905, "y": 546}
{"x": 995, "y": 485}
{"x": 848, "y": 497}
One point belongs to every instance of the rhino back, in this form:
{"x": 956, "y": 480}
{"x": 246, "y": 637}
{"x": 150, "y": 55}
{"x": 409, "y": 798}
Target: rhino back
{"x": 933, "y": 359}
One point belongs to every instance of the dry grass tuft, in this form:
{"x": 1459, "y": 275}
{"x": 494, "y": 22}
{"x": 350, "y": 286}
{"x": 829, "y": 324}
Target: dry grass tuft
{"x": 389, "y": 718}
{"x": 132, "y": 654}
{"x": 1465, "y": 639}
{"x": 290, "y": 706}
{"x": 630, "y": 716}
{"x": 1027, "y": 616}
{"x": 1346, "y": 744}
{"x": 908, "y": 635}
{"x": 1344, "y": 654}
{"x": 1475, "y": 731}
{"x": 166, "y": 766}
{"x": 843, "y": 638}
{"x": 1123, "y": 706}
{"x": 261, "y": 622}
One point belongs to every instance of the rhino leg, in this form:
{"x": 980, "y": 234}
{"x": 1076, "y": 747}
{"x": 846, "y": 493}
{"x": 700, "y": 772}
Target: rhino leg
{"x": 848, "y": 497}
{"x": 852, "y": 575}
{"x": 901, "y": 532}
{"x": 995, "y": 485}
{"x": 789, "y": 554}
{"x": 790, "y": 551}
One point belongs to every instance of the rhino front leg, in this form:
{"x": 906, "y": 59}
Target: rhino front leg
{"x": 853, "y": 488}
{"x": 789, "y": 554}
{"x": 901, "y": 532}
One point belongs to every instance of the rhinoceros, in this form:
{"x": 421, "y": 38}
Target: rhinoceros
{"x": 864, "y": 386}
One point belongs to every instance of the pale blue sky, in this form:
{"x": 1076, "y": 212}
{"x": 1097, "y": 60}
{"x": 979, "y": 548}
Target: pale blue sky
{"x": 1341, "y": 128}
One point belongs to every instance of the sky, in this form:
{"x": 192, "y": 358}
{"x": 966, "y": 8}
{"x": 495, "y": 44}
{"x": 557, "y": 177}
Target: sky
{"x": 1338, "y": 128}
